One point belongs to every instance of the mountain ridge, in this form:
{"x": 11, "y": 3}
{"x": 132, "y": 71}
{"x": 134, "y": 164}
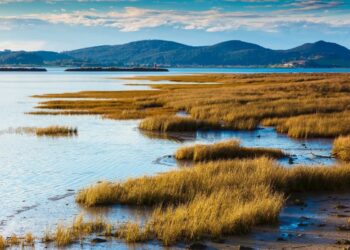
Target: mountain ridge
{"x": 232, "y": 53}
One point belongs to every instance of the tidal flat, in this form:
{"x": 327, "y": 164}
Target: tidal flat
{"x": 112, "y": 150}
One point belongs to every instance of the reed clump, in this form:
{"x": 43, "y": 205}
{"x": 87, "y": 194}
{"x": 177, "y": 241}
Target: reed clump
{"x": 234, "y": 101}
{"x": 29, "y": 239}
{"x": 315, "y": 125}
{"x": 3, "y": 244}
{"x": 224, "y": 150}
{"x": 79, "y": 228}
{"x": 46, "y": 131}
{"x": 341, "y": 148}
{"x": 214, "y": 199}
{"x": 14, "y": 240}
{"x": 56, "y": 131}
{"x": 132, "y": 232}
{"x": 176, "y": 124}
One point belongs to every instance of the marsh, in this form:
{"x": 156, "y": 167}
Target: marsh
{"x": 36, "y": 169}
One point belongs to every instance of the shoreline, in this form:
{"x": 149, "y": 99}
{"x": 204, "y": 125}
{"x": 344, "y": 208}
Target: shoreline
{"x": 20, "y": 69}
{"x": 115, "y": 69}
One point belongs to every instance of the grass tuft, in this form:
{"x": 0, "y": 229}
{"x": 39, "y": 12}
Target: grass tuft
{"x": 66, "y": 235}
{"x": 132, "y": 233}
{"x": 3, "y": 244}
{"x": 14, "y": 240}
{"x": 341, "y": 148}
{"x": 176, "y": 124}
{"x": 29, "y": 239}
{"x": 224, "y": 150}
{"x": 63, "y": 236}
{"x": 46, "y": 131}
{"x": 101, "y": 194}
{"x": 56, "y": 131}
{"x": 213, "y": 199}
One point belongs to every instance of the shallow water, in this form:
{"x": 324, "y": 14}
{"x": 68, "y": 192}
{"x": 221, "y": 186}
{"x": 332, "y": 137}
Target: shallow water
{"x": 39, "y": 176}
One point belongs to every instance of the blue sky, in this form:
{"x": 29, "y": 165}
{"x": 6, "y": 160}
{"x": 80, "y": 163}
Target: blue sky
{"x": 64, "y": 25}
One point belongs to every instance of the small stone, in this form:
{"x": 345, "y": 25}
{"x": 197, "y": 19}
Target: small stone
{"x": 321, "y": 225}
{"x": 98, "y": 240}
{"x": 243, "y": 248}
{"x": 302, "y": 224}
{"x": 197, "y": 246}
{"x": 218, "y": 240}
{"x": 343, "y": 228}
{"x": 341, "y": 206}
{"x": 299, "y": 202}
{"x": 343, "y": 242}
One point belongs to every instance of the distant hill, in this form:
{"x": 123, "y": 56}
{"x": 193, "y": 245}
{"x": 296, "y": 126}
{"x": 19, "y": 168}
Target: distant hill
{"x": 167, "y": 53}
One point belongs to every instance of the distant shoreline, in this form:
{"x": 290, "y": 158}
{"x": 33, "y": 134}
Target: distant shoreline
{"x": 16, "y": 69}
{"x": 115, "y": 69}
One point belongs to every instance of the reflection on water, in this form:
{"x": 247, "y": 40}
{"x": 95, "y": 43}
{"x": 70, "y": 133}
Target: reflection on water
{"x": 39, "y": 176}
{"x": 311, "y": 151}
{"x": 302, "y": 151}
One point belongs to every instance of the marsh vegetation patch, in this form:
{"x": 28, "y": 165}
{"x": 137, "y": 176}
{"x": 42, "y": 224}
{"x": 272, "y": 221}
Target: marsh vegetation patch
{"x": 300, "y": 105}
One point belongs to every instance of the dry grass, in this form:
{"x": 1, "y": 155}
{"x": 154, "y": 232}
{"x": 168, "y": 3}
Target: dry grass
{"x": 14, "y": 240}
{"x": 47, "y": 237}
{"x": 29, "y": 239}
{"x": 46, "y": 131}
{"x": 63, "y": 236}
{"x": 132, "y": 233}
{"x": 341, "y": 148}
{"x": 56, "y": 131}
{"x": 315, "y": 125}
{"x": 2, "y": 242}
{"x": 224, "y": 150}
{"x": 213, "y": 199}
{"x": 66, "y": 235}
{"x": 235, "y": 101}
{"x": 176, "y": 124}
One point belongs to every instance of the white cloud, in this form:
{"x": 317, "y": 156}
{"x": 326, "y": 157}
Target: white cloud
{"x": 307, "y": 5}
{"x": 133, "y": 19}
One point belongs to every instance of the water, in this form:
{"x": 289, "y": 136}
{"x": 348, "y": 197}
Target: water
{"x": 39, "y": 176}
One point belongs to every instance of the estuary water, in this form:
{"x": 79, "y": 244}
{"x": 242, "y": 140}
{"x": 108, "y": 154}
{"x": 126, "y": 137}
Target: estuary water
{"x": 39, "y": 176}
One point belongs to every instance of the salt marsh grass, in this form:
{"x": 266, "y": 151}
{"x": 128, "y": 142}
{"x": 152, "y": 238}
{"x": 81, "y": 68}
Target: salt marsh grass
{"x": 315, "y": 125}
{"x": 56, "y": 131}
{"x": 46, "y": 131}
{"x": 224, "y": 150}
{"x": 14, "y": 240}
{"x": 2, "y": 242}
{"x": 29, "y": 239}
{"x": 213, "y": 199}
{"x": 65, "y": 235}
{"x": 341, "y": 148}
{"x": 176, "y": 124}
{"x": 234, "y": 101}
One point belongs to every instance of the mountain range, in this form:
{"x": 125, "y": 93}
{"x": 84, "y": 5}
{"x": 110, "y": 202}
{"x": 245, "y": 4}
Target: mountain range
{"x": 171, "y": 54}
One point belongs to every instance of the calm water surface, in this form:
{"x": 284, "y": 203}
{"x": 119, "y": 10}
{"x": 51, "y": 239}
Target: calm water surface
{"x": 40, "y": 175}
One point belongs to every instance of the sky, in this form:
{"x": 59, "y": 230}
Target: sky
{"x": 61, "y": 25}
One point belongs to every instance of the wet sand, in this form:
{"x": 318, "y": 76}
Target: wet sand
{"x": 312, "y": 225}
